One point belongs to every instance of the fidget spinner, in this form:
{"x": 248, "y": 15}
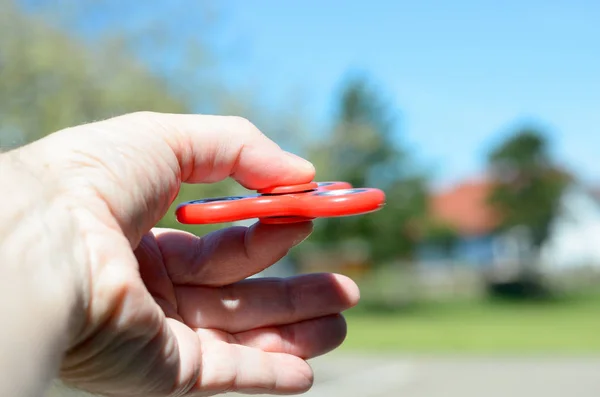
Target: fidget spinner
{"x": 284, "y": 204}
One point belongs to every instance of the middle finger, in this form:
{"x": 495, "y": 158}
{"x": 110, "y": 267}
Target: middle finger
{"x": 256, "y": 303}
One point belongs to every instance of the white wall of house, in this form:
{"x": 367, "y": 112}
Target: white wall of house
{"x": 574, "y": 239}
{"x": 511, "y": 249}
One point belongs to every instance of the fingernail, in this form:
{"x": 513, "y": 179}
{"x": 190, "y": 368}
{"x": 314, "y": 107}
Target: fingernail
{"x": 303, "y": 237}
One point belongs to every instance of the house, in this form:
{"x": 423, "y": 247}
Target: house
{"x": 573, "y": 241}
{"x": 463, "y": 208}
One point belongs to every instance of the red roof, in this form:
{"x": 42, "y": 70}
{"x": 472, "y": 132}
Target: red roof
{"x": 464, "y": 207}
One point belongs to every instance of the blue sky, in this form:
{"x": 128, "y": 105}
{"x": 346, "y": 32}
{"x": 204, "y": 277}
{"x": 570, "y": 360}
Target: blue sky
{"x": 461, "y": 73}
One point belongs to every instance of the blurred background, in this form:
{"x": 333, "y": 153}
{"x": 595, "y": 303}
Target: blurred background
{"x": 479, "y": 119}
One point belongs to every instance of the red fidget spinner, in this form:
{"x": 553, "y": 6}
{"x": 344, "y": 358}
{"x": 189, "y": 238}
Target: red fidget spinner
{"x": 284, "y": 204}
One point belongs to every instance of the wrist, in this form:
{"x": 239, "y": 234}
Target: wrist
{"x": 38, "y": 277}
{"x": 37, "y": 233}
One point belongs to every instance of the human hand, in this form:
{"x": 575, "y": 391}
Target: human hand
{"x": 160, "y": 312}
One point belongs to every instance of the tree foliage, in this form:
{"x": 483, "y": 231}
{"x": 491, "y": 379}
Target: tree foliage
{"x": 50, "y": 80}
{"x": 529, "y": 183}
{"x": 361, "y": 149}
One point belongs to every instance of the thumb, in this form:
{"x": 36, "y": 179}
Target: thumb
{"x": 135, "y": 163}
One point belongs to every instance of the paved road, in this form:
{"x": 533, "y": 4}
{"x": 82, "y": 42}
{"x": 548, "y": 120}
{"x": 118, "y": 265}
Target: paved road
{"x": 343, "y": 375}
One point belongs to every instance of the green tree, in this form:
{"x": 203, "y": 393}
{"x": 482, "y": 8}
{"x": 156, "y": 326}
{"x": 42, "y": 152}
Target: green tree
{"x": 529, "y": 183}
{"x": 362, "y": 150}
{"x": 53, "y": 76}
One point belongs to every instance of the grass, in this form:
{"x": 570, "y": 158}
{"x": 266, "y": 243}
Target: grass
{"x": 571, "y": 326}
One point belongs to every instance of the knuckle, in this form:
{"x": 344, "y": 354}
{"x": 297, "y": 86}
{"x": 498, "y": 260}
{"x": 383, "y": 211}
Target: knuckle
{"x": 143, "y": 118}
{"x": 291, "y": 298}
{"x": 244, "y": 126}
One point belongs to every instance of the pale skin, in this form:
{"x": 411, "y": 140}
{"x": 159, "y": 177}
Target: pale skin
{"x": 93, "y": 293}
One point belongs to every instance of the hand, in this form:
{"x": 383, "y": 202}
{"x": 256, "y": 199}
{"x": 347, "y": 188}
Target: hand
{"x": 157, "y": 312}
